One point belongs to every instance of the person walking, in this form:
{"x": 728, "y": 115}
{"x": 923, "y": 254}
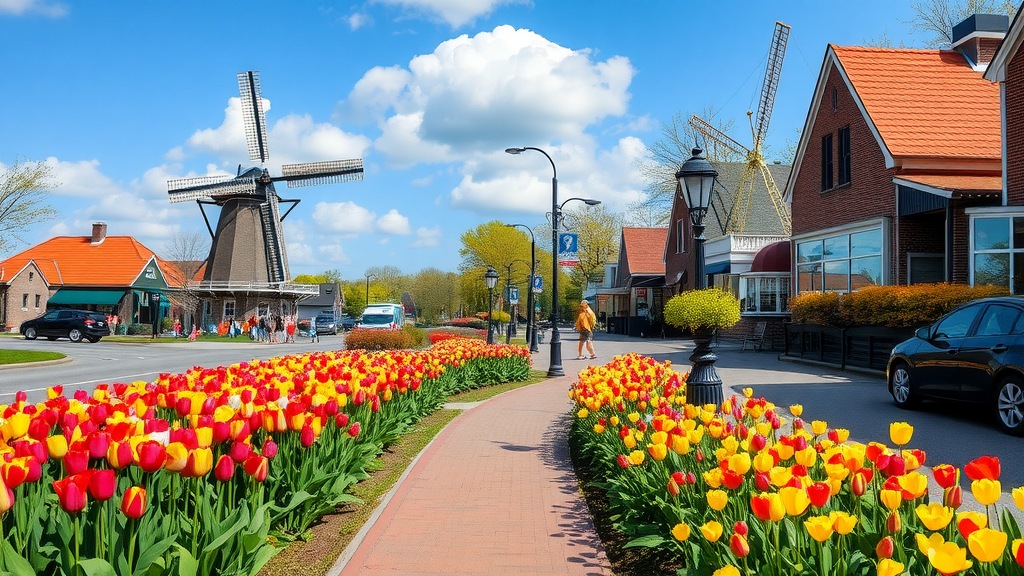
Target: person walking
{"x": 314, "y": 337}
{"x": 585, "y": 320}
{"x": 289, "y": 328}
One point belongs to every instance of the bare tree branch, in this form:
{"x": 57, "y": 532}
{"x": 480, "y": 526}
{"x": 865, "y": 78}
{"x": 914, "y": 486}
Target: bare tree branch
{"x": 936, "y": 18}
{"x": 23, "y": 190}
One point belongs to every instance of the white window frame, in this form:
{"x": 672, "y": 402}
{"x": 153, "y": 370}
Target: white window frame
{"x": 781, "y": 279}
{"x": 224, "y": 309}
{"x": 850, "y": 229}
{"x": 39, "y": 298}
{"x": 990, "y": 213}
{"x": 24, "y": 301}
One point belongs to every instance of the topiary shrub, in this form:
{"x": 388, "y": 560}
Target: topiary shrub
{"x": 468, "y": 322}
{"x": 368, "y": 339}
{"x": 140, "y": 329}
{"x": 499, "y": 316}
{"x": 702, "y": 310}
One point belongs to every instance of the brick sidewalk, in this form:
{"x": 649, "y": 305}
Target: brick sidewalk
{"x": 494, "y": 494}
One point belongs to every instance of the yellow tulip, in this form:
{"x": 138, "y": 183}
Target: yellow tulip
{"x": 1018, "y": 497}
{"x": 680, "y": 445}
{"x": 842, "y": 434}
{"x": 796, "y": 410}
{"x": 795, "y": 500}
{"x": 934, "y": 516}
{"x": 598, "y": 429}
{"x": 978, "y": 518}
{"x": 712, "y": 531}
{"x": 717, "y": 499}
{"x": 583, "y": 413}
{"x": 633, "y": 417}
{"x": 748, "y": 392}
{"x": 915, "y": 483}
{"x": 657, "y": 451}
{"x": 986, "y": 491}
{"x": 614, "y": 420}
{"x": 780, "y": 476}
{"x": 949, "y": 558}
{"x": 900, "y": 433}
{"x": 57, "y": 446}
{"x": 926, "y": 543}
{"x": 1015, "y": 546}
{"x": 629, "y": 441}
{"x": 785, "y": 451}
{"x": 889, "y": 567}
{"x": 807, "y": 457}
{"x": 763, "y": 462}
{"x": 842, "y": 522}
{"x": 731, "y": 444}
{"x": 713, "y": 477}
{"x": 728, "y": 570}
{"x": 819, "y": 527}
{"x": 636, "y": 458}
{"x": 659, "y": 437}
{"x": 681, "y": 532}
{"x": 740, "y": 463}
{"x": 891, "y": 498}
{"x": 987, "y": 545}
{"x": 819, "y": 427}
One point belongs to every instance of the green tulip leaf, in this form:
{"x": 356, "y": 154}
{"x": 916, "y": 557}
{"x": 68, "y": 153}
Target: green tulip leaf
{"x": 187, "y": 565}
{"x": 14, "y": 563}
{"x": 152, "y": 553}
{"x": 649, "y": 541}
{"x": 97, "y": 567}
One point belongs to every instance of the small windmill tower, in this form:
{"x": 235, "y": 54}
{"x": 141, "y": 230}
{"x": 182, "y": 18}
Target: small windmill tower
{"x": 735, "y": 215}
{"x": 248, "y": 247}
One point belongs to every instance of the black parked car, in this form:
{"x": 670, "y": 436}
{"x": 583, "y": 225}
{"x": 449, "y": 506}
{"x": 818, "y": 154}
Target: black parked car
{"x": 75, "y": 325}
{"x": 973, "y": 354}
{"x": 326, "y": 324}
{"x": 347, "y": 322}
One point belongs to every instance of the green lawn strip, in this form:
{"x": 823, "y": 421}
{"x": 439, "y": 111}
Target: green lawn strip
{"x": 20, "y": 356}
{"x": 478, "y": 394}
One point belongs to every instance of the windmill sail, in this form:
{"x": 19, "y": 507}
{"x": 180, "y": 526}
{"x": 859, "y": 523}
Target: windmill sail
{"x": 186, "y": 189}
{"x": 270, "y": 218}
{"x": 253, "y": 116}
{"x": 313, "y": 173}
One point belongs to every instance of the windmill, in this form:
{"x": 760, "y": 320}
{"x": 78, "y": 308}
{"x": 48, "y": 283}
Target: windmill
{"x": 248, "y": 245}
{"x": 736, "y": 214}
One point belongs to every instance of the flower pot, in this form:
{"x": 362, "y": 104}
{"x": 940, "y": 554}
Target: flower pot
{"x": 703, "y": 386}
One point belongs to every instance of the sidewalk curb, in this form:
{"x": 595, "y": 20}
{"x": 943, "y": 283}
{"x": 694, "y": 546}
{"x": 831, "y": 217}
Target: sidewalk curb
{"x": 350, "y": 550}
{"x": 42, "y": 363}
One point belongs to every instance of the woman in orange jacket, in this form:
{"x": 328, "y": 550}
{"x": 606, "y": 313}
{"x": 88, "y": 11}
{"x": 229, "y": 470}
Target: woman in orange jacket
{"x": 585, "y": 320}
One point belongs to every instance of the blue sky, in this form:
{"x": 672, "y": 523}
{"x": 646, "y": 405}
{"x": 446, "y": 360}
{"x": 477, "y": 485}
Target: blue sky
{"x": 120, "y": 96}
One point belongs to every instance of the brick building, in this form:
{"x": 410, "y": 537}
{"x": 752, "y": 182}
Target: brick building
{"x": 899, "y": 148}
{"x": 633, "y": 294}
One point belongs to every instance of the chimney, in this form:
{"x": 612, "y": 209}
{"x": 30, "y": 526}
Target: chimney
{"x": 978, "y": 36}
{"x": 99, "y": 233}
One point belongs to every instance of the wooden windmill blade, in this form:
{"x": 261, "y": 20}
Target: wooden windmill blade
{"x": 186, "y": 189}
{"x": 313, "y": 173}
{"x": 720, "y": 138}
{"x": 253, "y": 116}
{"x": 770, "y": 85}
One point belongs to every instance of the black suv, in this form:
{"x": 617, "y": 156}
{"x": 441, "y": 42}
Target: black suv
{"x": 75, "y": 325}
{"x": 326, "y": 324}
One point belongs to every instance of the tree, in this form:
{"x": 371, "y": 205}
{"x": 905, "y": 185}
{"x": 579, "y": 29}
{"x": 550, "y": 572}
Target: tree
{"x": 388, "y": 283}
{"x": 23, "y": 190}
{"x": 186, "y": 252}
{"x": 436, "y": 293}
{"x": 355, "y": 297}
{"x": 332, "y": 276}
{"x": 937, "y": 17}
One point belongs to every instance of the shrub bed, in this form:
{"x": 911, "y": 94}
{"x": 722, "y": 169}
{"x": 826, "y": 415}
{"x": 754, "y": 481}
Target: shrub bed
{"x": 892, "y": 306}
{"x": 200, "y": 472}
{"x": 370, "y": 339}
{"x": 468, "y": 322}
{"x": 726, "y": 492}
{"x": 449, "y": 333}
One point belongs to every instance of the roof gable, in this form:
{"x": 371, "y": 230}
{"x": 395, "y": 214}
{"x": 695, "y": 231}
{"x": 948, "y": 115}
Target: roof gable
{"x": 1008, "y": 48}
{"x": 75, "y": 261}
{"x": 643, "y": 249}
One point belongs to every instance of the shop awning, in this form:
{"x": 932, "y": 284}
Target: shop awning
{"x": 718, "y": 267}
{"x": 97, "y": 297}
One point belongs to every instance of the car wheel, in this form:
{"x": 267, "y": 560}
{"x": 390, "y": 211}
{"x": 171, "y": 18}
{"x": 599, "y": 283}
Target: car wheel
{"x": 30, "y": 333}
{"x": 75, "y": 335}
{"x": 899, "y": 386}
{"x": 1009, "y": 406}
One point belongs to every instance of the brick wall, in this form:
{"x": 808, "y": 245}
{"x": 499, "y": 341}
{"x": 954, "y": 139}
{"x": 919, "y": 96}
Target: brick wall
{"x": 28, "y": 282}
{"x": 919, "y": 233}
{"x": 774, "y": 332}
{"x": 1014, "y": 120}
{"x": 987, "y": 49}
{"x": 677, "y": 263}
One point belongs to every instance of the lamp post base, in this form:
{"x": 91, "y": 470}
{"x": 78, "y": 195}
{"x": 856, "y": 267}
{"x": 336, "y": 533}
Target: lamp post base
{"x": 703, "y": 386}
{"x": 555, "y": 368}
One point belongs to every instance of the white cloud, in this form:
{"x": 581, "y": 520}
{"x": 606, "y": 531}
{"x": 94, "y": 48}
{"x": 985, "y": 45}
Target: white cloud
{"x": 394, "y": 223}
{"x": 299, "y": 253}
{"x": 373, "y": 94}
{"x": 427, "y": 237}
{"x": 346, "y": 218}
{"x": 454, "y": 12}
{"x": 335, "y": 253}
{"x": 425, "y": 181}
{"x": 81, "y": 179}
{"x": 44, "y": 7}
{"x": 60, "y": 229}
{"x": 358, "y": 20}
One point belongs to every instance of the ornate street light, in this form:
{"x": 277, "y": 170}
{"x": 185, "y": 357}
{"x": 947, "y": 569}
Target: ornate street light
{"x": 368, "y": 277}
{"x": 491, "y": 278}
{"x": 531, "y": 314}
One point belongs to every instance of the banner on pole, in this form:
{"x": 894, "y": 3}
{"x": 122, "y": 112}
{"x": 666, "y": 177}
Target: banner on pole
{"x": 568, "y": 249}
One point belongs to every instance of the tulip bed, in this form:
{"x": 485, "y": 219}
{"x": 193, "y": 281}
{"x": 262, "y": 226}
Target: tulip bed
{"x": 727, "y": 492}
{"x": 193, "y": 473}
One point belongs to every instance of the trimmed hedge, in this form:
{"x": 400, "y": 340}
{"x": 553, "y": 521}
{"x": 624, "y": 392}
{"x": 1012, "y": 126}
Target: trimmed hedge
{"x": 468, "y": 322}
{"x": 368, "y": 339}
{"x": 695, "y": 310}
{"x": 892, "y": 306}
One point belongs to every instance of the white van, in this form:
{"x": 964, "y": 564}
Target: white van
{"x": 383, "y": 317}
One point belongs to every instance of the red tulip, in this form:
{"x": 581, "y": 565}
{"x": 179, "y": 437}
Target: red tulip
{"x": 732, "y": 480}
{"x": 15, "y": 472}
{"x": 739, "y": 546}
{"x": 240, "y": 451}
{"x": 672, "y": 487}
{"x": 225, "y": 468}
{"x": 102, "y": 484}
{"x": 858, "y": 485}
{"x": 894, "y": 524}
{"x": 886, "y": 546}
{"x": 72, "y": 492}
{"x": 740, "y": 528}
{"x": 623, "y": 461}
{"x": 762, "y": 482}
{"x": 986, "y": 467}
{"x": 133, "y": 504}
{"x": 945, "y": 475}
{"x": 953, "y": 497}
{"x": 819, "y": 493}
{"x": 341, "y": 420}
{"x": 119, "y": 455}
{"x": 269, "y": 449}
{"x": 257, "y": 467}
{"x": 99, "y": 443}
{"x": 306, "y": 436}
{"x": 679, "y": 478}
{"x": 353, "y": 430}
{"x": 967, "y": 527}
{"x": 152, "y": 455}
{"x": 221, "y": 432}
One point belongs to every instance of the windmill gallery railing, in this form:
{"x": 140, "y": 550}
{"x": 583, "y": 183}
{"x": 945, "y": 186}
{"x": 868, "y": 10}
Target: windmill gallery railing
{"x": 246, "y": 286}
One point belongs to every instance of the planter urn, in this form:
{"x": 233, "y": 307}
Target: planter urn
{"x": 703, "y": 385}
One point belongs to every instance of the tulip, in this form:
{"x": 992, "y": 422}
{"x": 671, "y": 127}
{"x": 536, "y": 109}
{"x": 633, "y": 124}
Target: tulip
{"x": 657, "y": 451}
{"x": 913, "y": 485}
{"x": 858, "y": 485}
{"x": 819, "y": 527}
{"x": 768, "y": 506}
{"x": 945, "y": 475}
{"x": 969, "y": 522}
{"x": 353, "y": 430}
{"x": 886, "y": 546}
{"x": 623, "y": 460}
{"x": 842, "y": 522}
{"x": 712, "y": 531}
{"x": 818, "y": 427}
{"x": 152, "y": 455}
{"x": 887, "y": 567}
{"x": 987, "y": 545}
{"x": 673, "y": 487}
{"x": 717, "y": 499}
{"x": 119, "y": 454}
{"x": 72, "y": 492}
{"x": 76, "y": 461}
{"x": 728, "y": 570}
{"x": 240, "y": 451}
{"x": 200, "y": 462}
{"x": 306, "y": 436}
{"x": 986, "y": 467}
{"x": 257, "y": 467}
{"x": 681, "y": 532}
{"x": 934, "y": 516}
{"x": 796, "y": 410}
{"x": 740, "y": 528}
{"x": 739, "y": 546}
{"x": 225, "y": 468}
{"x": 269, "y": 449}
{"x": 891, "y": 498}
{"x": 98, "y": 443}
{"x": 133, "y": 504}
{"x": 953, "y": 497}
{"x": 986, "y": 491}
{"x": 177, "y": 457}
{"x": 819, "y": 493}
{"x": 900, "y": 433}
{"x": 795, "y": 500}
{"x": 102, "y": 484}
{"x": 893, "y": 524}
{"x": 636, "y": 457}
{"x": 57, "y": 446}
{"x": 15, "y": 472}
{"x": 949, "y": 559}
{"x": 1018, "y": 497}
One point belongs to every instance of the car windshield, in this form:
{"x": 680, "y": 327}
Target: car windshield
{"x": 325, "y": 319}
{"x": 378, "y": 319}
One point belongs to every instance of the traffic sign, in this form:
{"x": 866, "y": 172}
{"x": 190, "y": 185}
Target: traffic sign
{"x": 538, "y": 284}
{"x": 568, "y": 249}
{"x": 513, "y": 295}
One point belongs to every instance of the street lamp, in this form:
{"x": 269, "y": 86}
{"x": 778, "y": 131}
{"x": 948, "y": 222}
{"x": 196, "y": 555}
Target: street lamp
{"x": 555, "y": 368}
{"x": 531, "y": 314}
{"x": 508, "y": 293}
{"x": 697, "y": 180}
{"x": 368, "y": 277}
{"x": 491, "y": 278}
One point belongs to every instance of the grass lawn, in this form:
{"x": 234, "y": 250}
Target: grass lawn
{"x": 20, "y": 356}
{"x": 326, "y": 540}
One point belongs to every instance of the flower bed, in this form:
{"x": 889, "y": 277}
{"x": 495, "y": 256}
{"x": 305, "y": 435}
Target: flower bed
{"x": 729, "y": 493}
{"x": 440, "y": 334}
{"x": 197, "y": 473}
{"x": 373, "y": 339}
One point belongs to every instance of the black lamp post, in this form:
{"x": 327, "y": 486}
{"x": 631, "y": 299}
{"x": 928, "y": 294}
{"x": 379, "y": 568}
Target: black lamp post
{"x": 508, "y": 293}
{"x": 368, "y": 276}
{"x": 491, "y": 278}
{"x": 531, "y": 315}
{"x": 697, "y": 180}
{"x": 555, "y": 368}
{"x": 154, "y": 308}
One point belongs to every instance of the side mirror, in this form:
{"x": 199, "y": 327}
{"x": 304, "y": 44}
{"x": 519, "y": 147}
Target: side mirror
{"x": 923, "y": 333}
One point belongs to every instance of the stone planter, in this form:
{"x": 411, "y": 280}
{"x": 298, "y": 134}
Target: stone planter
{"x": 703, "y": 386}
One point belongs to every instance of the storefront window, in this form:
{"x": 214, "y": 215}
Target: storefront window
{"x": 998, "y": 257}
{"x": 765, "y": 294}
{"x": 839, "y": 263}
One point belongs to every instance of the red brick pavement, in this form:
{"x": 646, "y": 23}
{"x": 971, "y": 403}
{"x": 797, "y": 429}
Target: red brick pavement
{"x": 494, "y": 494}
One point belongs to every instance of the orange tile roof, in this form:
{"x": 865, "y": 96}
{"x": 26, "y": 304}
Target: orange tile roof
{"x": 954, "y": 182}
{"x": 74, "y": 261}
{"x": 926, "y": 103}
{"x": 645, "y": 248}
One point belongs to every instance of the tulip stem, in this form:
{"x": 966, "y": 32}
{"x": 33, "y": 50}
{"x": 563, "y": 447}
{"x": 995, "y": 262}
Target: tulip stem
{"x": 131, "y": 543}
{"x": 78, "y": 565}
{"x": 195, "y": 520}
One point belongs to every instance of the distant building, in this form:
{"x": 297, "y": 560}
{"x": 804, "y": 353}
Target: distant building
{"x": 329, "y": 300}
{"x": 633, "y": 290}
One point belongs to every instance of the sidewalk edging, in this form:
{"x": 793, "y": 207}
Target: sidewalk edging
{"x": 41, "y": 363}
